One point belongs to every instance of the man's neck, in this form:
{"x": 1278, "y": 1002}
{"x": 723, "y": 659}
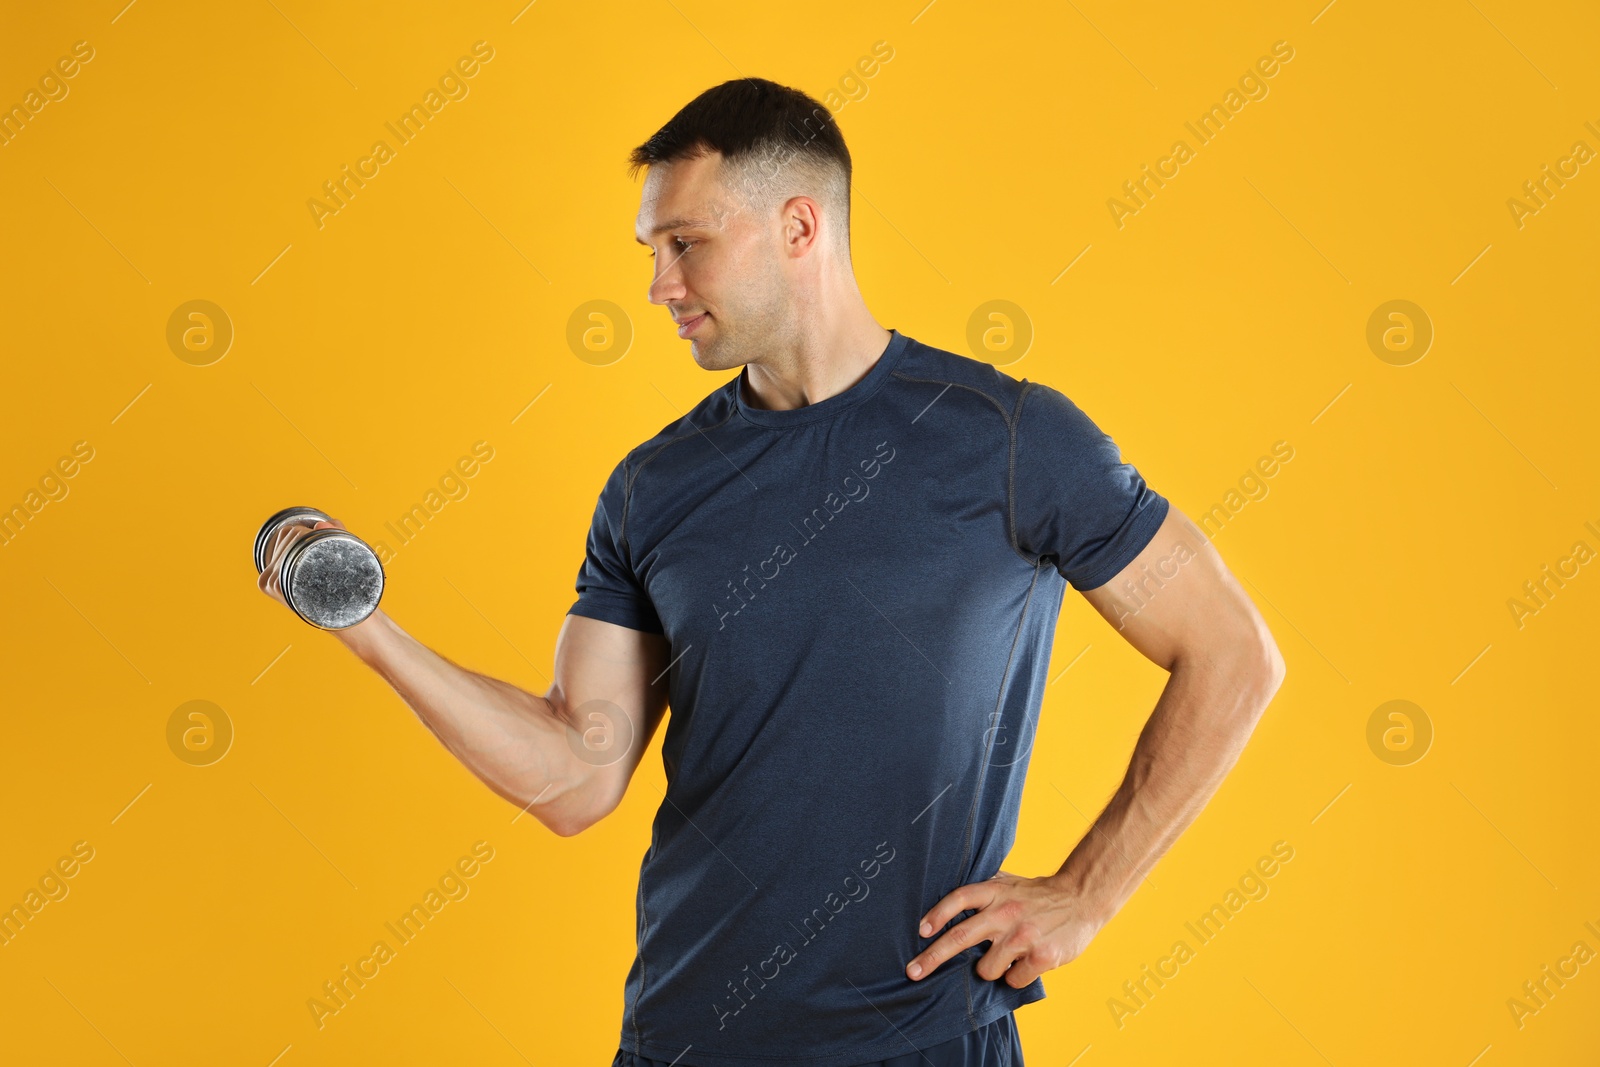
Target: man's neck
{"x": 816, "y": 364}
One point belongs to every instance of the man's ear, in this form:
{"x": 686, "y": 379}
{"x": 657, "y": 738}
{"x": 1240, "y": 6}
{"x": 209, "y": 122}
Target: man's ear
{"x": 802, "y": 223}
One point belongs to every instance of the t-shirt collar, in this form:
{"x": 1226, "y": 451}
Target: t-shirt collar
{"x": 826, "y": 408}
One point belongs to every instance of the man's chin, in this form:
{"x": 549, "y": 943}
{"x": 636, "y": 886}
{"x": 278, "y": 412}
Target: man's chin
{"x": 707, "y": 354}
{"x": 706, "y": 360}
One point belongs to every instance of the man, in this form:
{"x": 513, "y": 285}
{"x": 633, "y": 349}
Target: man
{"x": 843, "y": 570}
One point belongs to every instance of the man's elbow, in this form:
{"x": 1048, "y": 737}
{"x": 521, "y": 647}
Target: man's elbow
{"x": 1266, "y": 672}
{"x": 1249, "y": 666}
{"x": 1271, "y": 657}
{"x": 566, "y": 827}
{"x": 1256, "y": 655}
{"x": 572, "y": 813}
{"x": 575, "y": 825}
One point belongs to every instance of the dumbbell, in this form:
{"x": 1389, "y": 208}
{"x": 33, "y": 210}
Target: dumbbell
{"x": 330, "y": 578}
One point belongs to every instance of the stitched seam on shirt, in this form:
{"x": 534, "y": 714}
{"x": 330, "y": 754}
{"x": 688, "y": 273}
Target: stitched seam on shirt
{"x": 629, "y": 479}
{"x": 1011, "y": 477}
{"x": 644, "y": 926}
{"x": 1011, "y": 459}
{"x": 977, "y": 792}
{"x": 1010, "y": 472}
{"x": 960, "y": 385}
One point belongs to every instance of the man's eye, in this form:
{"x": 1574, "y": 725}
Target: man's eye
{"x": 683, "y": 242}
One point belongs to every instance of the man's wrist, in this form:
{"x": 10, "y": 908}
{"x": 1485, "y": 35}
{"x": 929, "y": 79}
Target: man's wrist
{"x": 366, "y": 637}
{"x": 1093, "y": 902}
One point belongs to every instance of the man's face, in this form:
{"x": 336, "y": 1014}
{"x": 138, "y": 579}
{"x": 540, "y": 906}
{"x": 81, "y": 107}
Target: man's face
{"x": 718, "y": 267}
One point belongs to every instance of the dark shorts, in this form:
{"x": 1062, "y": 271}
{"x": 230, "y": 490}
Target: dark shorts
{"x": 994, "y": 1045}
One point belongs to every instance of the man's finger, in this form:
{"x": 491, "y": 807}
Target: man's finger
{"x": 1023, "y": 971}
{"x": 286, "y": 536}
{"x": 1004, "y": 952}
{"x": 958, "y": 900}
{"x": 283, "y": 539}
{"x": 267, "y": 580}
{"x": 958, "y": 938}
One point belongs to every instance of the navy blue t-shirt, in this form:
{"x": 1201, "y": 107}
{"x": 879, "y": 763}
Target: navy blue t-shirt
{"x": 860, "y": 597}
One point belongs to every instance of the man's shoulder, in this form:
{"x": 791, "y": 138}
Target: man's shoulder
{"x": 986, "y": 386}
{"x": 712, "y": 411}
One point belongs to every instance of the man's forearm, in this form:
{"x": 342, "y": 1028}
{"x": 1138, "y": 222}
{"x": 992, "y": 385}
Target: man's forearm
{"x": 515, "y": 741}
{"x": 1200, "y": 724}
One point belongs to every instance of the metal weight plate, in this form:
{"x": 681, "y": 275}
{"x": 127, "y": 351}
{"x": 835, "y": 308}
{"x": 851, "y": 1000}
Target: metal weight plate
{"x": 331, "y": 579}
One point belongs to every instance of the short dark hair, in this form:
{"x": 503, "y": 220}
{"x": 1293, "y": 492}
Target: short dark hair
{"x": 775, "y": 142}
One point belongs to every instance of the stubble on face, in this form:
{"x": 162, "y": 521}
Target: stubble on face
{"x": 737, "y": 276}
{"x": 750, "y": 291}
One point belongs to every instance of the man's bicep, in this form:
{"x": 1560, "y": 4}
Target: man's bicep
{"x": 610, "y": 686}
{"x": 1177, "y": 599}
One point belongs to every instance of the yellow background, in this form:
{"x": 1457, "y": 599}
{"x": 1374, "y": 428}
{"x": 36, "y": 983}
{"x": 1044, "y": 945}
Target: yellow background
{"x": 371, "y": 353}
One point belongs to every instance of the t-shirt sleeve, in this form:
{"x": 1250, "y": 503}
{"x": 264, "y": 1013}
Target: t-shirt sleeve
{"x": 1073, "y": 499}
{"x": 608, "y": 589}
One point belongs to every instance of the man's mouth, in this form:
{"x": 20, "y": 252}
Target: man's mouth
{"x": 688, "y": 326}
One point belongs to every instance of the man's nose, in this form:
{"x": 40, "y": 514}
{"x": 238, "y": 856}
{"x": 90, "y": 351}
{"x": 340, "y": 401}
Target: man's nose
{"x": 668, "y": 282}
